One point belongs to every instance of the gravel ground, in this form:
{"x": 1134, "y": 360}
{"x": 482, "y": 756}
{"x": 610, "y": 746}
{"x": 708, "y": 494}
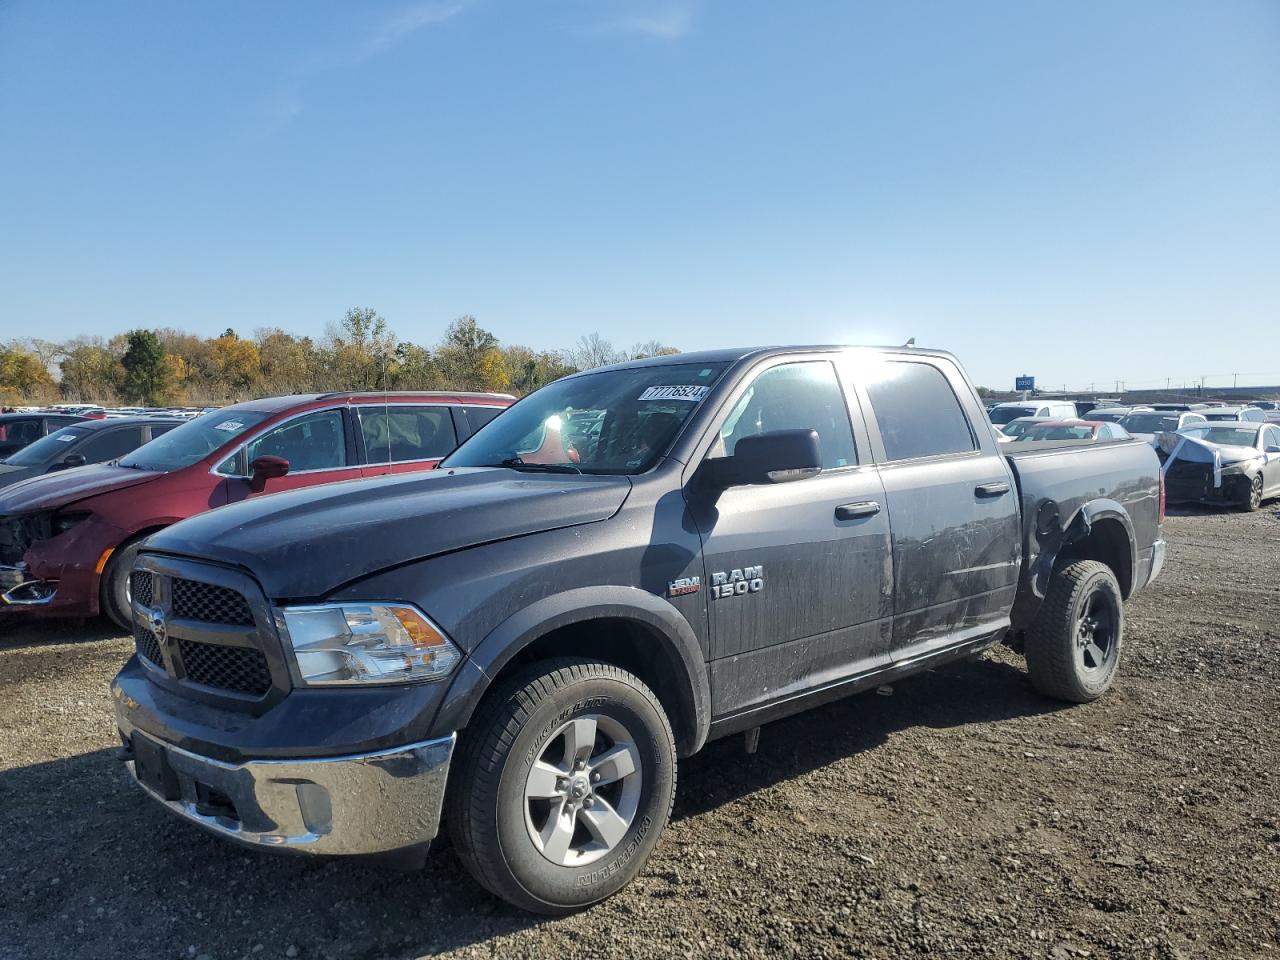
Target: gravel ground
{"x": 962, "y": 815}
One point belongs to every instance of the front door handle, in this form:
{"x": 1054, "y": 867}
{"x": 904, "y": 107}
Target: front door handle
{"x": 997, "y": 489}
{"x": 852, "y": 511}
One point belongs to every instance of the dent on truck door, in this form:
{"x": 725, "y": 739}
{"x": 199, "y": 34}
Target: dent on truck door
{"x": 952, "y": 506}
{"x": 797, "y": 574}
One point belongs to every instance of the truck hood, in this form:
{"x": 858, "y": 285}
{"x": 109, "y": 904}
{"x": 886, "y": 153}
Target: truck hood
{"x": 304, "y": 544}
{"x": 50, "y": 491}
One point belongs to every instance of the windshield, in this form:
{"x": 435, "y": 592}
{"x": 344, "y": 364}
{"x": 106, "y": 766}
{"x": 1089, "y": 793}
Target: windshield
{"x": 1006, "y": 414}
{"x": 616, "y": 421}
{"x": 46, "y": 448}
{"x": 1227, "y": 436}
{"x": 1018, "y": 427}
{"x": 1043, "y": 432}
{"x": 1106, "y": 416}
{"x": 1148, "y": 422}
{"x": 1233, "y": 415}
{"x": 193, "y": 441}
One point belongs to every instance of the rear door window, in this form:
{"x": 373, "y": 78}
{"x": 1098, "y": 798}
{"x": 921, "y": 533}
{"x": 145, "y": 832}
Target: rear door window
{"x": 399, "y": 434}
{"x": 477, "y": 417}
{"x": 918, "y": 413}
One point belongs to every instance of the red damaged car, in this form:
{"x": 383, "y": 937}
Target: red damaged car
{"x": 67, "y": 540}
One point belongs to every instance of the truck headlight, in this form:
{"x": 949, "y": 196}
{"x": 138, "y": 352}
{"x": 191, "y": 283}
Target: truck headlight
{"x": 349, "y": 643}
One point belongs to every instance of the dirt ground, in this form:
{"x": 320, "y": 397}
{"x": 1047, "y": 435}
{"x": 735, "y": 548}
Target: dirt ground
{"x": 962, "y": 815}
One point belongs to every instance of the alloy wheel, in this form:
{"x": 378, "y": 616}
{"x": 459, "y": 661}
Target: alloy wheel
{"x": 1096, "y": 631}
{"x": 582, "y": 793}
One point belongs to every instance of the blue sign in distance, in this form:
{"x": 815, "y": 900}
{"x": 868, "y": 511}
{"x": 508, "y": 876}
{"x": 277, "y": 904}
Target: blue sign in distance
{"x": 1024, "y": 383}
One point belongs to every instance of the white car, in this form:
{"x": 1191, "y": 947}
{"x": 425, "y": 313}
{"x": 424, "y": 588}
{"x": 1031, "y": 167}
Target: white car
{"x": 1003, "y": 413}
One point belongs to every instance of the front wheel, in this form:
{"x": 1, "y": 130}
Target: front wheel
{"x": 114, "y": 599}
{"x": 1253, "y": 498}
{"x": 1073, "y": 645}
{"x": 563, "y": 784}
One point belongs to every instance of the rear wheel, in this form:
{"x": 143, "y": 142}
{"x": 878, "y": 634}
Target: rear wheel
{"x": 562, "y": 786}
{"x": 1073, "y": 645}
{"x": 114, "y": 597}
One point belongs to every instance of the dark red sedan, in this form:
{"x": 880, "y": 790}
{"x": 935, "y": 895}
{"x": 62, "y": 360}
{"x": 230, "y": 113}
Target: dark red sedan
{"x": 67, "y": 540}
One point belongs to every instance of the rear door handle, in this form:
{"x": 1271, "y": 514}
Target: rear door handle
{"x": 852, "y": 511}
{"x": 997, "y": 489}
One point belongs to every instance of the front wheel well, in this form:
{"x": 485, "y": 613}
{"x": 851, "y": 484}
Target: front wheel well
{"x": 1106, "y": 542}
{"x": 635, "y": 647}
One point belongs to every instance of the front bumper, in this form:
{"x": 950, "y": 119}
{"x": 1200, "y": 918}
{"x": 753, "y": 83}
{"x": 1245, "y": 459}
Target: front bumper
{"x": 368, "y": 803}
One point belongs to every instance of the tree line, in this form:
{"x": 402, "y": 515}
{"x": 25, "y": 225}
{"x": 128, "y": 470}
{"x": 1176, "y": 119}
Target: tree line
{"x": 168, "y": 367}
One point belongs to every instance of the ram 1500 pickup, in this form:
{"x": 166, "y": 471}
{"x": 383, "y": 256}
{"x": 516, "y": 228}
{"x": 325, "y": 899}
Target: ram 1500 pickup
{"x": 622, "y": 566}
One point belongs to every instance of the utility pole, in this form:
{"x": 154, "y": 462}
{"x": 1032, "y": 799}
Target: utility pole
{"x": 1235, "y": 381}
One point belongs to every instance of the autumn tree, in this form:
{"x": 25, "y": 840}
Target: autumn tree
{"x": 91, "y": 371}
{"x": 23, "y": 377}
{"x": 469, "y": 357}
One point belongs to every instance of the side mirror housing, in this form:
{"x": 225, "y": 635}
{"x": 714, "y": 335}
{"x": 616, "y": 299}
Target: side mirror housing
{"x": 267, "y": 468}
{"x": 69, "y": 461}
{"x": 780, "y": 456}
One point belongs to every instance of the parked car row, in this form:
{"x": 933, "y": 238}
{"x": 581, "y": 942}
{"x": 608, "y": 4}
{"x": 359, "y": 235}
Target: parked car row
{"x": 68, "y": 539}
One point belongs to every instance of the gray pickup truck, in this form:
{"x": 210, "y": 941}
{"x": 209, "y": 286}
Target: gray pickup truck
{"x": 624, "y": 565}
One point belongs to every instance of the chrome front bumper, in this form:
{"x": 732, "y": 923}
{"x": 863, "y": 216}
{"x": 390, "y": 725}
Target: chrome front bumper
{"x": 19, "y": 590}
{"x": 360, "y": 804}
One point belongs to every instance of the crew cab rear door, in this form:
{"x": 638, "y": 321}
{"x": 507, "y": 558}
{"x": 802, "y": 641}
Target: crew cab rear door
{"x": 797, "y": 575}
{"x": 952, "y": 502}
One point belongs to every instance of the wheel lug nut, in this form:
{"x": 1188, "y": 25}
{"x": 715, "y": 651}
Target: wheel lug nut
{"x": 588, "y": 803}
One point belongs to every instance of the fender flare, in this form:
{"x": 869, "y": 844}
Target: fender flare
{"x": 1079, "y": 528}
{"x": 680, "y": 648}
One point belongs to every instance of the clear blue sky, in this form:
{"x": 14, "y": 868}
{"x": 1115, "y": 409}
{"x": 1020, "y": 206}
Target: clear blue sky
{"x": 1083, "y": 191}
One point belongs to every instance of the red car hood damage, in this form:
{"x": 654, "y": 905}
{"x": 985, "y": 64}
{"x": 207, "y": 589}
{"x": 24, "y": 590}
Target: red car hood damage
{"x": 54, "y": 490}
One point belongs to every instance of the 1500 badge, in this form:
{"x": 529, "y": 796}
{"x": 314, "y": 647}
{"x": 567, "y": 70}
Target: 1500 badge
{"x": 737, "y": 583}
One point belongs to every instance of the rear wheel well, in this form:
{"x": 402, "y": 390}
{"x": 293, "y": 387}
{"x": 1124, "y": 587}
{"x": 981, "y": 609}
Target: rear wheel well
{"x": 1107, "y": 542}
{"x": 635, "y": 647}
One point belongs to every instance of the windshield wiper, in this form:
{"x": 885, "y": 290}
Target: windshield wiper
{"x": 516, "y": 463}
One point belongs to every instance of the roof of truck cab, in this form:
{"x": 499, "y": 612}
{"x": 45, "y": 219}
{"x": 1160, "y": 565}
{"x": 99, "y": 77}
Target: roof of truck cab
{"x": 735, "y": 354}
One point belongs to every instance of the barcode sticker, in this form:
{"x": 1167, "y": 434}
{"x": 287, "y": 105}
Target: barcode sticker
{"x": 691, "y": 393}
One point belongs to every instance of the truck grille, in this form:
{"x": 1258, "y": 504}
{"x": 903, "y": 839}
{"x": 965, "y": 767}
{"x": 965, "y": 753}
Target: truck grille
{"x": 242, "y": 669}
{"x": 148, "y": 646}
{"x": 142, "y": 588}
{"x": 206, "y": 628}
{"x": 209, "y": 603}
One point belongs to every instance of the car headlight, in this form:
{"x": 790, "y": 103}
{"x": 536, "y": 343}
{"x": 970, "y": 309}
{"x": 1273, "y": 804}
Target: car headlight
{"x": 350, "y": 643}
{"x": 1242, "y": 463}
{"x": 62, "y": 522}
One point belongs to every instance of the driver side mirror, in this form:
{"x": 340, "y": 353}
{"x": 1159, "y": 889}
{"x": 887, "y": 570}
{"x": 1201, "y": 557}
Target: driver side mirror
{"x": 780, "y": 456}
{"x": 267, "y": 468}
{"x": 69, "y": 461}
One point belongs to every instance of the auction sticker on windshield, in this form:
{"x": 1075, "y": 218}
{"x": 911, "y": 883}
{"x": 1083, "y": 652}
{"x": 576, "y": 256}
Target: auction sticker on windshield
{"x": 229, "y": 425}
{"x": 691, "y": 393}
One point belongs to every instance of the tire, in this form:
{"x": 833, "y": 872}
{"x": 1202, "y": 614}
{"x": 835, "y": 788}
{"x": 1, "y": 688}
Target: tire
{"x": 502, "y": 793}
{"x": 1253, "y": 497}
{"x": 1073, "y": 645}
{"x": 114, "y": 589}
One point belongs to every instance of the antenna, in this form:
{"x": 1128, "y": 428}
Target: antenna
{"x": 910, "y": 343}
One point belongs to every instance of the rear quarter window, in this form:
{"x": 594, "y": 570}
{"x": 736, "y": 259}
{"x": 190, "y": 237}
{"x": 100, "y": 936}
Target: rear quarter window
{"x": 917, "y": 412}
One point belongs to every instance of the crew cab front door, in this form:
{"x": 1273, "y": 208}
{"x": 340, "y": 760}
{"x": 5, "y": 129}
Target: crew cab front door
{"x": 797, "y": 575}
